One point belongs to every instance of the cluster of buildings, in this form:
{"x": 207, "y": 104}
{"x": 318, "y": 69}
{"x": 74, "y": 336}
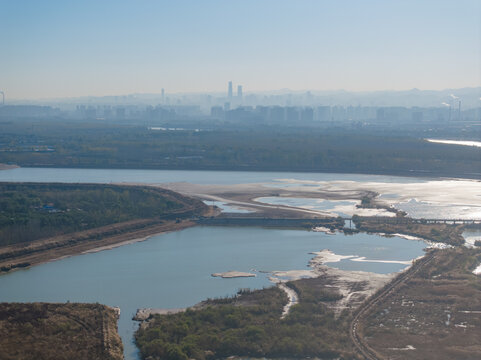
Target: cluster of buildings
{"x": 136, "y": 112}
{"x": 233, "y": 107}
{"x": 307, "y": 114}
{"x": 239, "y": 114}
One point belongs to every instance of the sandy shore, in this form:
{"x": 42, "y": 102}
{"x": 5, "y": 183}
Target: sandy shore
{"x": 443, "y": 193}
{"x": 327, "y": 256}
{"x": 355, "y": 286}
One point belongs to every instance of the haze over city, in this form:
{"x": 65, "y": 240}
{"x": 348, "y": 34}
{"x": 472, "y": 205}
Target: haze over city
{"x": 272, "y": 179}
{"x": 60, "y": 49}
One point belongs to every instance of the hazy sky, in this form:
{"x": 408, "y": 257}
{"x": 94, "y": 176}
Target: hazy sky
{"x": 75, "y": 48}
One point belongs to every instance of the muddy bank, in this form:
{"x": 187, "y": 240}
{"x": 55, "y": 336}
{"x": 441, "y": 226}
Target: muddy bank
{"x": 245, "y": 195}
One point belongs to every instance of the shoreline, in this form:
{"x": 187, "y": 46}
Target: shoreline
{"x": 86, "y": 247}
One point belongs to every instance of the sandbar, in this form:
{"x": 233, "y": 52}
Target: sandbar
{"x": 233, "y": 274}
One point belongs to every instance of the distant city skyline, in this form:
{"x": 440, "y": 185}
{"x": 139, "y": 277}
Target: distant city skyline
{"x": 58, "y": 49}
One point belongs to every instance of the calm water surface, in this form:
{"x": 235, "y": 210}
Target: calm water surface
{"x": 174, "y": 270}
{"x": 192, "y": 176}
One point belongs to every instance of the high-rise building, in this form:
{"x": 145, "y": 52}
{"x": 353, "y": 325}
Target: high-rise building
{"x": 239, "y": 92}
{"x": 163, "y": 96}
{"x": 229, "y": 93}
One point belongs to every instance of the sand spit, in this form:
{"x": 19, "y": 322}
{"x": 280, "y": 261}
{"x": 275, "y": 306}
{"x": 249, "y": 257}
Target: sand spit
{"x": 327, "y": 256}
{"x": 408, "y": 237}
{"x": 324, "y": 230}
{"x": 456, "y": 142}
{"x": 233, "y": 274}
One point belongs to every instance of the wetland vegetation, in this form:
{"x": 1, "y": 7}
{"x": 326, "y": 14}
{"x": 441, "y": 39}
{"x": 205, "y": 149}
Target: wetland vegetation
{"x": 250, "y": 325}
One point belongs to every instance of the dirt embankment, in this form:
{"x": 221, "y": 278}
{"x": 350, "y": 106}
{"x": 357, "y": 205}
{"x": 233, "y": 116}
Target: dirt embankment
{"x": 105, "y": 237}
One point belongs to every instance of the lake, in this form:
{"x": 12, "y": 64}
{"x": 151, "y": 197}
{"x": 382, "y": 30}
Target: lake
{"x": 106, "y": 176}
{"x": 174, "y": 270}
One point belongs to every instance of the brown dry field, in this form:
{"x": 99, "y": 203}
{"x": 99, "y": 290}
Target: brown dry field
{"x": 59, "y": 331}
{"x": 434, "y": 315}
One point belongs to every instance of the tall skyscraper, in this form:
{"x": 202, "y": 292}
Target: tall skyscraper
{"x": 239, "y": 92}
{"x": 229, "y": 93}
{"x": 163, "y": 96}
